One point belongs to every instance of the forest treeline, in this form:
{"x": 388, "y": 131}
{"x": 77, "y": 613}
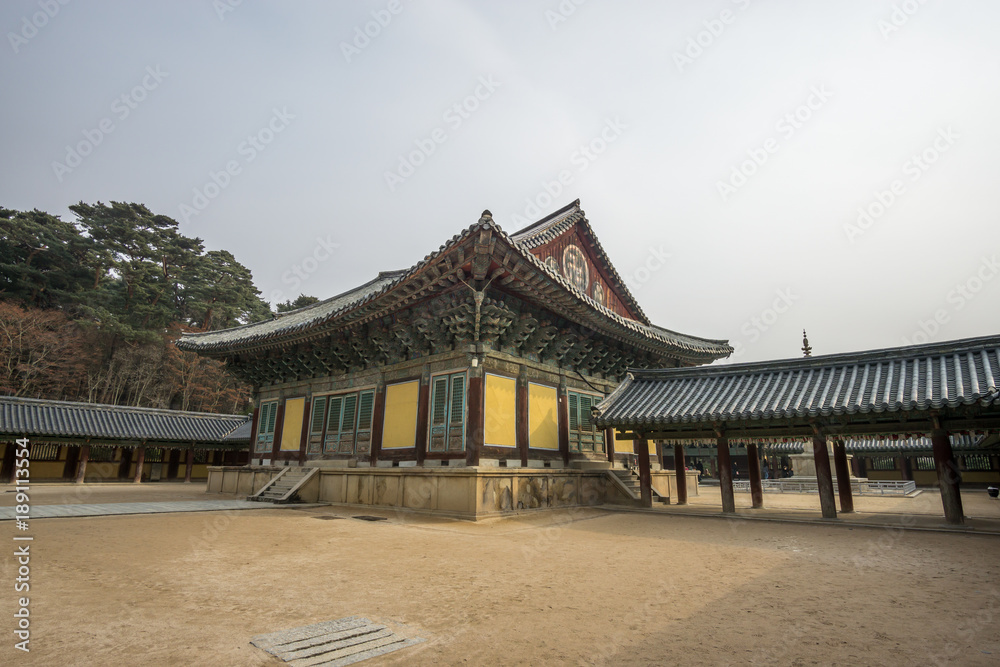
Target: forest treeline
{"x": 90, "y": 309}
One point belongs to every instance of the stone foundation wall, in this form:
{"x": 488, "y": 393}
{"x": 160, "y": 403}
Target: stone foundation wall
{"x": 466, "y": 493}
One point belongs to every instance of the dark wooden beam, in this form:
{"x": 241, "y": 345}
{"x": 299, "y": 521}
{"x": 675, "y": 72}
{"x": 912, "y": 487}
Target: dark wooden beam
{"x": 948, "y": 477}
{"x": 140, "y": 461}
{"x": 680, "y": 466}
{"x": 756, "y": 489}
{"x": 725, "y": 473}
{"x": 645, "y": 481}
{"x": 81, "y": 466}
{"x": 824, "y": 477}
{"x": 843, "y": 476}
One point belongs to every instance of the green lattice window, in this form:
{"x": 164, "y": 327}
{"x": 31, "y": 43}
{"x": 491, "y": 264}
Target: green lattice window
{"x": 44, "y": 452}
{"x": 883, "y": 463}
{"x": 925, "y": 463}
{"x": 448, "y": 413}
{"x": 265, "y": 426}
{"x": 583, "y": 435}
{"x": 977, "y": 462}
{"x": 349, "y": 423}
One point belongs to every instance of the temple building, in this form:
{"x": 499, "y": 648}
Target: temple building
{"x": 487, "y": 354}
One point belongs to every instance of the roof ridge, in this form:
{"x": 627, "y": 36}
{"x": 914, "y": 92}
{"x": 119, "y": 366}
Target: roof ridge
{"x": 43, "y": 402}
{"x": 834, "y": 359}
{"x": 555, "y": 214}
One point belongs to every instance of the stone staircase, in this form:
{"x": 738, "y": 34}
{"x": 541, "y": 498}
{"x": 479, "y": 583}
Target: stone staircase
{"x": 628, "y": 481}
{"x": 282, "y": 488}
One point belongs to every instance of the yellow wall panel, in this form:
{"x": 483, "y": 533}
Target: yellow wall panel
{"x": 291, "y": 428}
{"x": 628, "y": 446}
{"x": 400, "y": 423}
{"x": 501, "y": 411}
{"x": 543, "y": 417}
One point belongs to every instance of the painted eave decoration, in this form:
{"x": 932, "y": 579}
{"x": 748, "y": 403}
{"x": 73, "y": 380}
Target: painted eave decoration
{"x": 483, "y": 252}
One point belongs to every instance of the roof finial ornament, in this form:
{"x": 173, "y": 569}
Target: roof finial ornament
{"x": 806, "y": 347}
{"x": 487, "y": 214}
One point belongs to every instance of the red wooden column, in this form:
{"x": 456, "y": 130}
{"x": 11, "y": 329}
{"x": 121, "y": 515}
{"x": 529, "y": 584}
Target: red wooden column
{"x": 140, "y": 460}
{"x": 306, "y": 426}
{"x": 81, "y": 467}
{"x": 824, "y": 476}
{"x": 423, "y": 415}
{"x": 725, "y": 473}
{"x": 475, "y": 425}
{"x": 521, "y": 425}
{"x": 756, "y": 488}
{"x": 188, "y": 465}
{"x": 378, "y": 422}
{"x": 948, "y": 477}
{"x": 645, "y": 481}
{"x": 680, "y": 465}
{"x": 564, "y": 423}
{"x": 609, "y": 443}
{"x": 843, "y": 476}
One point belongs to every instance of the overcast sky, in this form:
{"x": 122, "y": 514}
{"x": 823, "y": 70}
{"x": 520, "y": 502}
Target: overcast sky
{"x": 752, "y": 167}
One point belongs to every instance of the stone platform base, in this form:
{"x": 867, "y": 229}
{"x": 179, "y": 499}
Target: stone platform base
{"x": 465, "y": 493}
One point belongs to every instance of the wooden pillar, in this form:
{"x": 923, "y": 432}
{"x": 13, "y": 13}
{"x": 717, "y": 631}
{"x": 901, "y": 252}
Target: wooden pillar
{"x": 81, "y": 467}
{"x": 279, "y": 423}
{"x": 140, "y": 461}
{"x": 645, "y": 482}
{"x": 564, "y": 423}
{"x": 423, "y": 415}
{"x": 7, "y": 472}
{"x": 126, "y": 463}
{"x": 948, "y": 476}
{"x": 905, "y": 470}
{"x": 824, "y": 477}
{"x": 609, "y": 440}
{"x": 474, "y": 426}
{"x": 725, "y": 473}
{"x": 189, "y": 464}
{"x": 521, "y": 415}
{"x": 756, "y": 488}
{"x": 680, "y": 466}
{"x": 72, "y": 458}
{"x": 306, "y": 427}
{"x": 843, "y": 476}
{"x": 378, "y": 422}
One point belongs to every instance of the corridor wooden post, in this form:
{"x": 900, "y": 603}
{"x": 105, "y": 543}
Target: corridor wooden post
{"x": 756, "y": 488}
{"x": 680, "y": 467}
{"x": 948, "y": 475}
{"x": 188, "y": 465}
{"x": 140, "y": 460}
{"x": 81, "y": 466}
{"x": 645, "y": 481}
{"x": 843, "y": 476}
{"x": 824, "y": 476}
{"x": 725, "y": 473}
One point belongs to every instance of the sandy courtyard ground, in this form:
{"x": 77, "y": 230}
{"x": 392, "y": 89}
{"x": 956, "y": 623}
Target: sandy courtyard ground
{"x": 571, "y": 587}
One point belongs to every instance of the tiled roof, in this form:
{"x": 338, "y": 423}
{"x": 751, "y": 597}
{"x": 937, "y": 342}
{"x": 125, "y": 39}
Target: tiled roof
{"x": 295, "y": 320}
{"x": 240, "y": 434}
{"x": 921, "y": 377}
{"x": 288, "y": 325}
{"x": 879, "y": 445}
{"x": 552, "y": 227}
{"x": 28, "y": 417}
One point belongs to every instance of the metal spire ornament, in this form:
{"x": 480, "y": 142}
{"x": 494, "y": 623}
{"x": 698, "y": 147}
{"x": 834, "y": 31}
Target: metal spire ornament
{"x": 806, "y": 348}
